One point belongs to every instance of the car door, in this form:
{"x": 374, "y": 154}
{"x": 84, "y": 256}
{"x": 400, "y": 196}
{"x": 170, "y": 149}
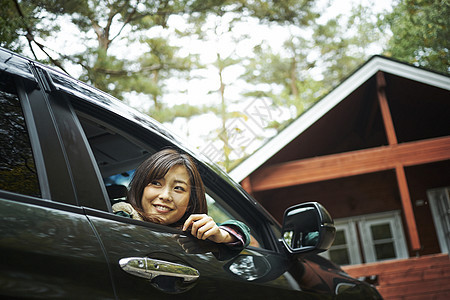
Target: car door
{"x": 152, "y": 259}
{"x": 48, "y": 247}
{"x": 173, "y": 271}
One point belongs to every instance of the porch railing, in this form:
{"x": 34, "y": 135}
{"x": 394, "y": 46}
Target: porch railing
{"x": 426, "y": 277}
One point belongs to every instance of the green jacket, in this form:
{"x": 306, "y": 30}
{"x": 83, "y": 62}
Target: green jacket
{"x": 242, "y": 228}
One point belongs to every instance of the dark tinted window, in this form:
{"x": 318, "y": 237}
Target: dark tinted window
{"x": 17, "y": 168}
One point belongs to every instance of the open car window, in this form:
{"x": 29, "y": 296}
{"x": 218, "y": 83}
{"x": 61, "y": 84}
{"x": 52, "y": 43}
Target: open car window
{"x": 118, "y": 155}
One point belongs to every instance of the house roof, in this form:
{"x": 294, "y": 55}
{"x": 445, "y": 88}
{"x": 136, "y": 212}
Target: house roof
{"x": 308, "y": 118}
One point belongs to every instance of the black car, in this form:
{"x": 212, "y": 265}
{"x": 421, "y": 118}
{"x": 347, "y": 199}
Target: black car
{"x": 68, "y": 152}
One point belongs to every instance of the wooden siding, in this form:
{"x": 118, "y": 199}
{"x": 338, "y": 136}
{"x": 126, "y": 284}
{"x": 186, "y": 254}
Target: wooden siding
{"x": 426, "y": 277}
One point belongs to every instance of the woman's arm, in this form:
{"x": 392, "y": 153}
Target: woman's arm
{"x": 240, "y": 230}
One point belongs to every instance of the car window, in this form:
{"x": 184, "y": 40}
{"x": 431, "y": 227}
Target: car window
{"x": 117, "y": 155}
{"x": 220, "y": 214}
{"x": 216, "y": 211}
{"x": 17, "y": 167}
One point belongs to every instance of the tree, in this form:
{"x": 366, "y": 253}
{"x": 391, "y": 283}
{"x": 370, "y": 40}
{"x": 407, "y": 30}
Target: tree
{"x": 10, "y": 24}
{"x": 420, "y": 33}
{"x": 108, "y": 31}
{"x": 346, "y": 43}
{"x": 220, "y": 31}
{"x": 29, "y": 21}
{"x": 283, "y": 78}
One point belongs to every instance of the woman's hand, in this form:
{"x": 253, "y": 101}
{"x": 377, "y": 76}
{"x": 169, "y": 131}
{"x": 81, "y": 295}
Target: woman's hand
{"x": 203, "y": 227}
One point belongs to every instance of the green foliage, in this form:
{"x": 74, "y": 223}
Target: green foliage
{"x": 10, "y": 24}
{"x": 23, "y": 19}
{"x": 166, "y": 114}
{"x": 345, "y": 45}
{"x": 285, "y": 78}
{"x": 420, "y": 33}
{"x": 267, "y": 11}
{"x": 295, "y": 78}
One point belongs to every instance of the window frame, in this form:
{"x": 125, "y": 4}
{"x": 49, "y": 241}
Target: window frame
{"x": 35, "y": 107}
{"x": 350, "y": 235}
{"x": 398, "y": 237}
{"x": 439, "y": 199}
{"x": 55, "y": 179}
{"x": 51, "y": 168}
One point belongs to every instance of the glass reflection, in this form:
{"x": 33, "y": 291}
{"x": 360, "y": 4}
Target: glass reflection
{"x": 17, "y": 168}
{"x": 301, "y": 228}
{"x": 249, "y": 267}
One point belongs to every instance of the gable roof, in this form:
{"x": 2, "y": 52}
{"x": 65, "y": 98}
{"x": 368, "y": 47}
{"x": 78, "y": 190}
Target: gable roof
{"x": 308, "y": 118}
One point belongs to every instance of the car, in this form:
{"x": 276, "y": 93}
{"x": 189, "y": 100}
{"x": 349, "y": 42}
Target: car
{"x": 68, "y": 152}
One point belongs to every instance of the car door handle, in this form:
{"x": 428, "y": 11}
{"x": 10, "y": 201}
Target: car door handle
{"x": 150, "y": 268}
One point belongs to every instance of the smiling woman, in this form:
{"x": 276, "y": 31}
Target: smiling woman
{"x": 157, "y": 182}
{"x": 166, "y": 200}
{"x": 167, "y": 189}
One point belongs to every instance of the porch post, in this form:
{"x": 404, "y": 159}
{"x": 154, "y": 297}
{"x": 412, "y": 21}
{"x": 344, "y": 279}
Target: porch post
{"x": 385, "y": 111}
{"x": 247, "y": 185}
{"x": 407, "y": 208}
{"x": 399, "y": 170}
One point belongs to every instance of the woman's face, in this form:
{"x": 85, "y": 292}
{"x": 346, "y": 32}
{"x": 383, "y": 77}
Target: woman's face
{"x": 167, "y": 199}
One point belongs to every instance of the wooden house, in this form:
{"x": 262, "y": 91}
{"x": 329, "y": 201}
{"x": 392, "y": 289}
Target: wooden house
{"x": 376, "y": 153}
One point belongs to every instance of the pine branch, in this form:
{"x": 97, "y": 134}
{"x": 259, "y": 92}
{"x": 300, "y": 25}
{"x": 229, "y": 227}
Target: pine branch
{"x": 31, "y": 39}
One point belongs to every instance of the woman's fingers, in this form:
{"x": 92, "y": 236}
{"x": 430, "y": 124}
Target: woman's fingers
{"x": 192, "y": 219}
{"x": 202, "y": 227}
{"x": 214, "y": 234}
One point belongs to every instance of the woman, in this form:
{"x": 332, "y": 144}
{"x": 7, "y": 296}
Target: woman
{"x": 167, "y": 189}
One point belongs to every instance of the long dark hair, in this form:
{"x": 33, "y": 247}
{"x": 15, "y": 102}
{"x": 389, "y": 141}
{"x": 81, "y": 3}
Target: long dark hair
{"x": 156, "y": 167}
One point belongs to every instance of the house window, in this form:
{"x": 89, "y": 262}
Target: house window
{"x": 368, "y": 238}
{"x": 382, "y": 237}
{"x": 340, "y": 253}
{"x": 383, "y": 242}
{"x": 344, "y": 250}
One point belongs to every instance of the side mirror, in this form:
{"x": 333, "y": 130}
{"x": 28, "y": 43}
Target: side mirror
{"x": 307, "y": 227}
